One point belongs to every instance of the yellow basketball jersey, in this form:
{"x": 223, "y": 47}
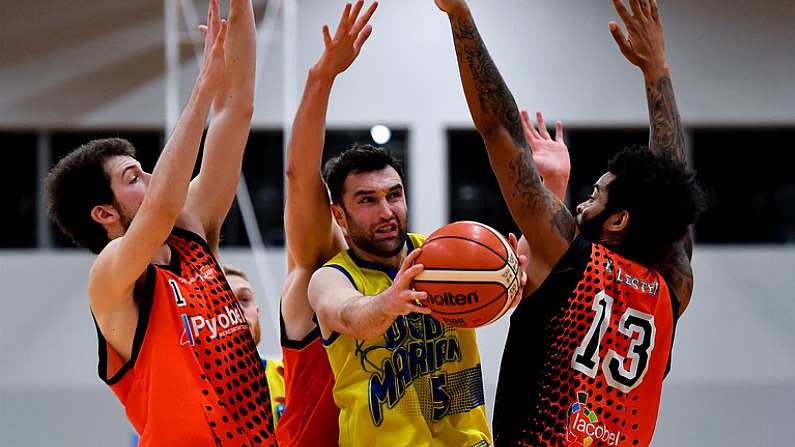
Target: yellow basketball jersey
{"x": 419, "y": 384}
{"x": 275, "y": 386}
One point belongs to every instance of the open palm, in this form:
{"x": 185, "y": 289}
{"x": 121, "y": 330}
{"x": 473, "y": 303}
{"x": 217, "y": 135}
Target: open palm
{"x": 343, "y": 48}
{"x": 551, "y": 156}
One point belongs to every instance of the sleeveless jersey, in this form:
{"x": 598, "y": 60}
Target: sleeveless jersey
{"x": 586, "y": 355}
{"x": 419, "y": 384}
{"x": 194, "y": 377}
{"x": 311, "y": 418}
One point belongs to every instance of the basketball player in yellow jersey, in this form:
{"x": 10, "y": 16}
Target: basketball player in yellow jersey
{"x": 402, "y": 378}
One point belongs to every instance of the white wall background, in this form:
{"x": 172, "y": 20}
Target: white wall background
{"x": 733, "y": 377}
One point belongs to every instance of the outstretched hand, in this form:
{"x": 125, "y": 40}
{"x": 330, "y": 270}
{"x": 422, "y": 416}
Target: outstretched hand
{"x": 213, "y": 70}
{"x": 551, "y": 156}
{"x": 400, "y": 298}
{"x": 343, "y": 48}
{"x": 644, "y": 44}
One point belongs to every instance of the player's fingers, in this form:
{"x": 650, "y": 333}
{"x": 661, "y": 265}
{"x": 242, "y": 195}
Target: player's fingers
{"x": 637, "y": 12}
{"x": 219, "y": 41}
{"x": 409, "y": 261}
{"x": 326, "y": 36}
{"x": 513, "y": 242}
{"x": 418, "y": 309}
{"x": 645, "y": 9}
{"x": 341, "y": 27}
{"x": 618, "y": 36}
{"x": 357, "y": 7}
{"x": 408, "y": 276}
{"x": 363, "y": 20}
{"x": 542, "y": 128}
{"x": 530, "y": 131}
{"x": 418, "y": 297}
{"x": 622, "y": 11}
{"x": 559, "y": 131}
{"x": 655, "y": 13}
{"x": 363, "y": 36}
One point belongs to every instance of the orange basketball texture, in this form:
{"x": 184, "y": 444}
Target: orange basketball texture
{"x": 471, "y": 274}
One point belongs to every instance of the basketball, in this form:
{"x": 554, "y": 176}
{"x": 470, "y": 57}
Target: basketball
{"x": 471, "y": 274}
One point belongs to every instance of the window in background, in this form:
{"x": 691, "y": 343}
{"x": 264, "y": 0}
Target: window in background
{"x": 262, "y": 167}
{"x": 750, "y": 186}
{"x": 473, "y": 189}
{"x": 19, "y": 184}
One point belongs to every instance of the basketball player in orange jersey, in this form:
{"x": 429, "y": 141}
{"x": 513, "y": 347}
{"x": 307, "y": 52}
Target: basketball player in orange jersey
{"x": 274, "y": 369}
{"x": 311, "y": 417}
{"x": 587, "y": 351}
{"x": 174, "y": 345}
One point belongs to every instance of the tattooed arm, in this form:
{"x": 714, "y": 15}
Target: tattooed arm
{"x": 543, "y": 218}
{"x": 644, "y": 47}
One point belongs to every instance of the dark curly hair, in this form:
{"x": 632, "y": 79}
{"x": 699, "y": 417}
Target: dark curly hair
{"x": 359, "y": 158}
{"x": 77, "y": 184}
{"x": 661, "y": 195}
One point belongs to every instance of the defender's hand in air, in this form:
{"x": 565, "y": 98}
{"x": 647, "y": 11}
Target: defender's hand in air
{"x": 213, "y": 68}
{"x": 550, "y": 156}
{"x": 644, "y": 45}
{"x": 400, "y": 298}
{"x": 344, "y": 47}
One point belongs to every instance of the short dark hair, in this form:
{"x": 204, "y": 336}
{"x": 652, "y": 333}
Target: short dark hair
{"x": 359, "y": 158}
{"x": 77, "y": 184}
{"x": 661, "y": 195}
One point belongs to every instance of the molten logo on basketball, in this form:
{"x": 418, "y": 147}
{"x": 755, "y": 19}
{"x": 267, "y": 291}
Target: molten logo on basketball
{"x": 450, "y": 299}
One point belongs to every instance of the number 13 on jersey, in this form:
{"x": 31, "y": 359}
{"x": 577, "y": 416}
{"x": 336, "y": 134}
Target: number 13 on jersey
{"x": 637, "y": 326}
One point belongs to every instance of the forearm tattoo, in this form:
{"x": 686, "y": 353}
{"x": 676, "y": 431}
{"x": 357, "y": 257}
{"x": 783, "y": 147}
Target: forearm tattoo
{"x": 498, "y": 105}
{"x": 667, "y": 134}
{"x": 493, "y": 95}
{"x": 535, "y": 196}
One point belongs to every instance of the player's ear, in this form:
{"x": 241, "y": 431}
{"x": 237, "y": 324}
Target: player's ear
{"x": 339, "y": 216}
{"x": 617, "y": 222}
{"x": 104, "y": 214}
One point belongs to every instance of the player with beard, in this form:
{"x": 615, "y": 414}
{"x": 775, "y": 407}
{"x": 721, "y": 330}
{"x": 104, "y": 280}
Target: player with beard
{"x": 401, "y": 377}
{"x": 311, "y": 417}
{"x": 587, "y": 351}
{"x": 174, "y": 345}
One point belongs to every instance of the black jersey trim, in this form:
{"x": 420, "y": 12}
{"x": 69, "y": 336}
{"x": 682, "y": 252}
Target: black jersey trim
{"x": 298, "y": 345}
{"x": 144, "y": 302}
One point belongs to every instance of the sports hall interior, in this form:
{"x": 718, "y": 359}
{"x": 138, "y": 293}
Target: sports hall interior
{"x": 83, "y": 69}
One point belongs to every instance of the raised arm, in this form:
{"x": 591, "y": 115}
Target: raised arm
{"x": 542, "y": 217}
{"x": 343, "y": 309}
{"x": 213, "y": 190}
{"x": 125, "y": 259}
{"x": 644, "y": 47}
{"x": 312, "y": 236}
